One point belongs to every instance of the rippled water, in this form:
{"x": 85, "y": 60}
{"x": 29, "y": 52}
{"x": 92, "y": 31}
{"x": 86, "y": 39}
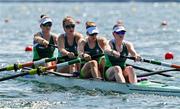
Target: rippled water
{"x": 19, "y": 21}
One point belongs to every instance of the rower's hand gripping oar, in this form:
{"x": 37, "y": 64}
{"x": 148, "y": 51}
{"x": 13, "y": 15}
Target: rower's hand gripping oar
{"x": 155, "y": 62}
{"x": 28, "y": 64}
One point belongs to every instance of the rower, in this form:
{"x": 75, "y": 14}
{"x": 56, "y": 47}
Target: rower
{"x": 115, "y": 66}
{"x": 92, "y": 45}
{"x": 43, "y": 39}
{"x": 67, "y": 43}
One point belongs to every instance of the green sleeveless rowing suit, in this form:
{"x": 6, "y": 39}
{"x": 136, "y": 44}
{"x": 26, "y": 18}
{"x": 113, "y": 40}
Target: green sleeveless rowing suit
{"x": 112, "y": 61}
{"x": 93, "y": 51}
{"x": 70, "y": 48}
{"x": 39, "y": 51}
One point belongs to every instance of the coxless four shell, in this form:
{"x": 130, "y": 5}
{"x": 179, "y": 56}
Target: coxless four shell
{"x": 142, "y": 87}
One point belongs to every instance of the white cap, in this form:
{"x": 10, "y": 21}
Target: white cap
{"x": 45, "y": 20}
{"x": 119, "y": 28}
{"x": 92, "y": 30}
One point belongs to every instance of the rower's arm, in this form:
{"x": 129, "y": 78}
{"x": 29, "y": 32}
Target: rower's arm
{"x": 109, "y": 50}
{"x": 40, "y": 40}
{"x": 104, "y": 44}
{"x": 83, "y": 55}
{"x": 61, "y": 46}
{"x": 79, "y": 37}
{"x": 55, "y": 38}
{"x": 132, "y": 51}
{"x": 81, "y": 46}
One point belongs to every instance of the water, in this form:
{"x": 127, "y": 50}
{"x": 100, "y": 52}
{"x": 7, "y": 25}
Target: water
{"x": 142, "y": 21}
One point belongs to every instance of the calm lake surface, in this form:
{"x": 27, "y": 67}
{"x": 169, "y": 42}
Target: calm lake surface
{"x": 19, "y": 21}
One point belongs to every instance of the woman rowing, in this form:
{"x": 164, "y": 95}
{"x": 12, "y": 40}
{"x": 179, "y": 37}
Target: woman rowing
{"x": 115, "y": 66}
{"x": 67, "y": 43}
{"x": 43, "y": 39}
{"x": 92, "y": 45}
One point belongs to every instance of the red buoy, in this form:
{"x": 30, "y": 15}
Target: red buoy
{"x": 28, "y": 48}
{"x": 169, "y": 55}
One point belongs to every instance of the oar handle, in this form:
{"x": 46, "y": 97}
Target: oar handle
{"x": 51, "y": 45}
{"x": 98, "y": 55}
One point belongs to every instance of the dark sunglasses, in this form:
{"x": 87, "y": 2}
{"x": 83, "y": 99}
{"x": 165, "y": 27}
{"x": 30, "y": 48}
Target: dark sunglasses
{"x": 69, "y": 26}
{"x": 121, "y": 33}
{"x": 49, "y": 24}
{"x": 94, "y": 34}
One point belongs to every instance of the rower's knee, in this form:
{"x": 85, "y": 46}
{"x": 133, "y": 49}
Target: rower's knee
{"x": 129, "y": 69}
{"x": 73, "y": 65}
{"x": 93, "y": 63}
{"x": 117, "y": 69}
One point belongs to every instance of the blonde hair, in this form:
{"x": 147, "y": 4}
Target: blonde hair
{"x": 90, "y": 24}
{"x": 68, "y": 19}
{"x": 119, "y": 23}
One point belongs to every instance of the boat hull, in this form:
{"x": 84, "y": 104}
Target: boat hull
{"x": 143, "y": 87}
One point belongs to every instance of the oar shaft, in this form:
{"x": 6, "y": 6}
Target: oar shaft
{"x": 43, "y": 69}
{"x": 28, "y": 64}
{"x": 147, "y": 70}
{"x": 161, "y": 63}
{"x": 156, "y": 62}
{"x": 14, "y": 76}
{"x": 157, "y": 72}
{"x": 2, "y": 69}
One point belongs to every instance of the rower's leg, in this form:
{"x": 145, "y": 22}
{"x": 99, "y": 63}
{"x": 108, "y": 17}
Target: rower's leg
{"x": 63, "y": 69}
{"x": 50, "y": 64}
{"x": 115, "y": 74}
{"x": 130, "y": 74}
{"x": 119, "y": 74}
{"x": 86, "y": 71}
{"x": 78, "y": 67}
{"x": 72, "y": 68}
{"x": 94, "y": 69}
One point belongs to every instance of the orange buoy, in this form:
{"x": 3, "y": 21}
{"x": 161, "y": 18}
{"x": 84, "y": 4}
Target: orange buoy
{"x": 28, "y": 48}
{"x": 169, "y": 55}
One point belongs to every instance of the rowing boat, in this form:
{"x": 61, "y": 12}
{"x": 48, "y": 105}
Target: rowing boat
{"x": 142, "y": 87}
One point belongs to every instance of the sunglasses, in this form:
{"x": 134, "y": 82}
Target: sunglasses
{"x": 49, "y": 24}
{"x": 70, "y": 26}
{"x": 121, "y": 33}
{"x": 94, "y": 34}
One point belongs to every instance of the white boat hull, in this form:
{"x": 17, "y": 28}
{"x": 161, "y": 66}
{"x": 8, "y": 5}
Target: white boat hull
{"x": 144, "y": 87}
